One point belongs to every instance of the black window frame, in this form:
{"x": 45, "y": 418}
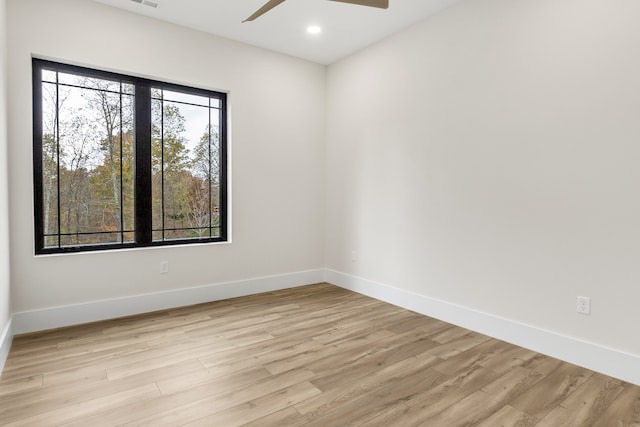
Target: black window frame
{"x": 143, "y": 223}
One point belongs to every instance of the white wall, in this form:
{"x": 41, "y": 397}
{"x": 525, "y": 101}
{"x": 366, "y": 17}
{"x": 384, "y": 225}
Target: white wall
{"x": 5, "y": 296}
{"x": 489, "y": 157}
{"x": 277, "y": 131}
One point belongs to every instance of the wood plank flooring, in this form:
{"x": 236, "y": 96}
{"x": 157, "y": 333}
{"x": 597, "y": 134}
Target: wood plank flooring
{"x": 310, "y": 356}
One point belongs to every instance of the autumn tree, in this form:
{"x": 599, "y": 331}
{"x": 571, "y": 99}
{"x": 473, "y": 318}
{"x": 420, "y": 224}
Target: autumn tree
{"x": 113, "y": 114}
{"x": 204, "y": 191}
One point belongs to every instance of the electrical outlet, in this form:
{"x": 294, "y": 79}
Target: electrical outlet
{"x": 354, "y": 256}
{"x": 584, "y": 305}
{"x": 164, "y": 267}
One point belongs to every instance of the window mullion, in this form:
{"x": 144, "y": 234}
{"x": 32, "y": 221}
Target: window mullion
{"x": 38, "y": 169}
{"x": 57, "y": 138}
{"x": 222, "y": 170}
{"x": 209, "y": 171}
{"x": 143, "y": 198}
{"x": 162, "y": 168}
{"x": 122, "y": 228}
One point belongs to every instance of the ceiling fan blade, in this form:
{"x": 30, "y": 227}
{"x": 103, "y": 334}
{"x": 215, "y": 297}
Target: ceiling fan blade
{"x": 264, "y": 9}
{"x": 382, "y": 4}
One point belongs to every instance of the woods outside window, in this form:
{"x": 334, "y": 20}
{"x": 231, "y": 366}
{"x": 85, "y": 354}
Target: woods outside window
{"x": 121, "y": 161}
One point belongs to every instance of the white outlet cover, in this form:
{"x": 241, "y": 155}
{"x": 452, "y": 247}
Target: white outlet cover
{"x": 584, "y": 305}
{"x": 164, "y": 267}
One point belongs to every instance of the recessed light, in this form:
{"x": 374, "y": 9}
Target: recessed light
{"x": 314, "y": 29}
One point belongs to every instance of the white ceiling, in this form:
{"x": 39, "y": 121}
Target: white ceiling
{"x": 346, "y": 28}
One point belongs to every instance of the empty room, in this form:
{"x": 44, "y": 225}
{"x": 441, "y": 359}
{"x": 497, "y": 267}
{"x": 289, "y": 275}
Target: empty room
{"x": 319, "y": 213}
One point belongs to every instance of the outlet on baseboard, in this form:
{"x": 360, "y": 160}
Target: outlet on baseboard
{"x": 584, "y": 305}
{"x": 164, "y": 267}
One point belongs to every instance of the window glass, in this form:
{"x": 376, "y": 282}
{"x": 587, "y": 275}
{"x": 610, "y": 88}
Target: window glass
{"x": 185, "y": 174}
{"x": 88, "y": 149}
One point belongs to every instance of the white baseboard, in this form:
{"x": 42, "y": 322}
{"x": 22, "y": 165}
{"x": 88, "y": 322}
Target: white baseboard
{"x": 5, "y": 343}
{"x": 56, "y": 317}
{"x": 592, "y": 356}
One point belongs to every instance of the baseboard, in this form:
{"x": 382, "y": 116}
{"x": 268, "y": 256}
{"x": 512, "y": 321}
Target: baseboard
{"x": 56, "y": 317}
{"x": 5, "y": 343}
{"x": 592, "y": 356}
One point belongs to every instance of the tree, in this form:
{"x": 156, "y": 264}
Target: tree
{"x": 74, "y": 162}
{"x": 114, "y": 114}
{"x": 204, "y": 193}
{"x": 53, "y": 100}
{"x": 170, "y": 161}
{"x": 107, "y": 213}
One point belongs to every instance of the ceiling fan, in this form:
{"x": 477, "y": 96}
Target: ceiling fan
{"x": 382, "y": 4}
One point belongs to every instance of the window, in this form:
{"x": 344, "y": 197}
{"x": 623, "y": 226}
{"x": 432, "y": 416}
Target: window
{"x": 123, "y": 162}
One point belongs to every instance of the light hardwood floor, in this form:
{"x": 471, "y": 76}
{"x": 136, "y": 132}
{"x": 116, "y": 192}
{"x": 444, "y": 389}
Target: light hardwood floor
{"x": 311, "y": 356}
